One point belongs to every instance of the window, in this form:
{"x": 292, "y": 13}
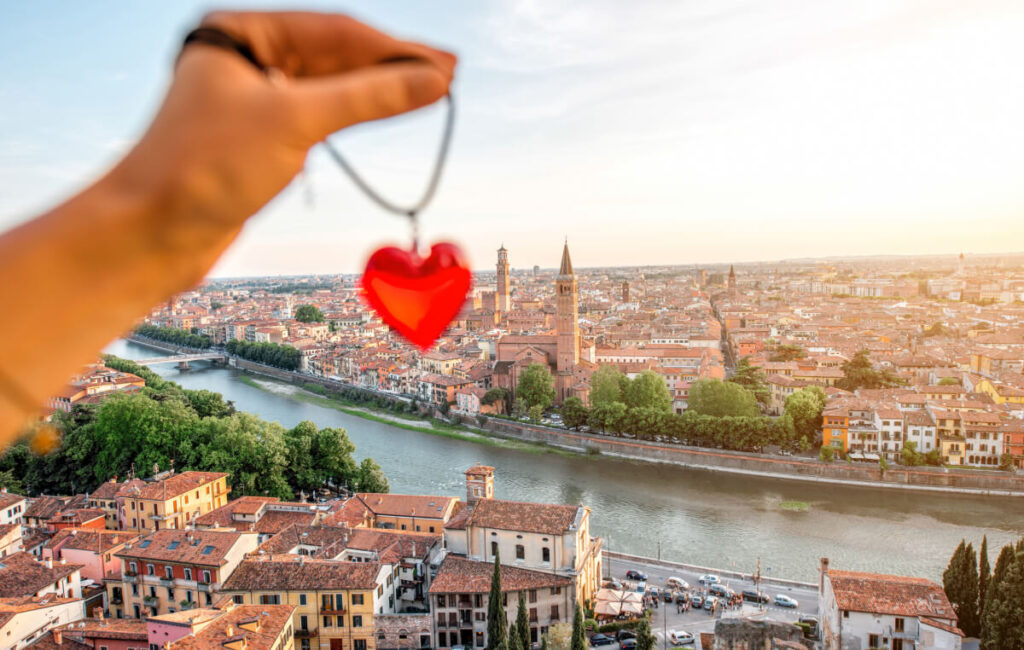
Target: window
{"x": 357, "y": 599}
{"x": 533, "y": 596}
{"x": 270, "y": 599}
{"x": 173, "y": 545}
{"x": 302, "y": 600}
{"x": 169, "y": 573}
{"x": 133, "y": 567}
{"x": 188, "y": 573}
{"x": 303, "y": 622}
{"x": 545, "y": 554}
{"x": 150, "y": 570}
{"x": 237, "y": 599}
{"x": 341, "y": 621}
{"x": 303, "y": 643}
{"x": 899, "y": 624}
{"x": 357, "y": 621}
{"x": 359, "y": 644}
{"x": 207, "y": 550}
{"x": 554, "y": 612}
{"x": 494, "y": 547}
{"x": 520, "y": 552}
{"x": 328, "y": 621}
{"x": 206, "y": 576}
{"x": 326, "y": 602}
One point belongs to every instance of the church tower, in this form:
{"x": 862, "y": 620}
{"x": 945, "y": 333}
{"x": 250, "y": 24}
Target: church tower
{"x": 567, "y": 326}
{"x": 732, "y": 280}
{"x": 502, "y": 300}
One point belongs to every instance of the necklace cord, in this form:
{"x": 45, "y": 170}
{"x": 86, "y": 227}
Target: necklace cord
{"x": 413, "y": 211}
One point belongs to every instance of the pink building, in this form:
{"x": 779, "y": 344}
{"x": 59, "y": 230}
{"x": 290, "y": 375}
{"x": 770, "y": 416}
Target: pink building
{"x": 95, "y": 549}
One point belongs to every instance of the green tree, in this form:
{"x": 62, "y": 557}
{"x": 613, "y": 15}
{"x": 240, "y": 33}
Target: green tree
{"x": 1006, "y": 462}
{"x": 496, "y": 619}
{"x": 960, "y": 582}
{"x": 788, "y": 353}
{"x": 372, "y": 478}
{"x": 574, "y": 414}
{"x": 647, "y": 390}
{"x": 752, "y": 378}
{"x": 991, "y": 613}
{"x": 909, "y": 455}
{"x": 536, "y": 386}
{"x": 607, "y": 417}
{"x": 9, "y": 482}
{"x": 718, "y": 398}
{"x": 859, "y": 372}
{"x": 523, "y": 622}
{"x": 579, "y": 634}
{"x": 827, "y": 453}
{"x": 645, "y": 640}
{"x": 514, "y": 641}
{"x": 606, "y": 385}
{"x": 535, "y": 413}
{"x": 805, "y": 407}
{"x": 309, "y": 314}
{"x": 984, "y": 575}
{"x": 1003, "y": 627}
{"x": 949, "y": 381}
{"x": 497, "y": 396}
{"x": 559, "y": 637}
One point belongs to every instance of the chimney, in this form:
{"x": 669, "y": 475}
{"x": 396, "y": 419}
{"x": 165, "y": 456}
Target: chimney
{"x": 821, "y": 579}
{"x": 58, "y": 638}
{"x": 230, "y": 631}
{"x": 49, "y": 563}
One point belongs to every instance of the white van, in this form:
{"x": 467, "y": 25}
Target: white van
{"x": 677, "y": 583}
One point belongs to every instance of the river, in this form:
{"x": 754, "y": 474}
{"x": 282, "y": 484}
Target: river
{"x": 697, "y": 516}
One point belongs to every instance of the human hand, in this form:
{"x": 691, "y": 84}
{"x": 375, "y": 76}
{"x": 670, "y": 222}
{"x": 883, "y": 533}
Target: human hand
{"x": 228, "y": 137}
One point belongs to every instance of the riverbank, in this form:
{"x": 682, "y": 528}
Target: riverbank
{"x": 539, "y": 439}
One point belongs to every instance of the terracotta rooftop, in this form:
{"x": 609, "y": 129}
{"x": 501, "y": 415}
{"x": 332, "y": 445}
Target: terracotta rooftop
{"x": 541, "y": 518}
{"x": 170, "y": 487}
{"x": 877, "y": 593}
{"x": 8, "y": 499}
{"x": 406, "y": 505}
{"x": 463, "y": 576}
{"x": 201, "y": 547}
{"x": 97, "y": 540}
{"x": 22, "y": 575}
{"x": 259, "y": 627}
{"x": 295, "y": 572}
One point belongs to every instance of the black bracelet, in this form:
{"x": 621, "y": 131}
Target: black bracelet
{"x": 225, "y": 41}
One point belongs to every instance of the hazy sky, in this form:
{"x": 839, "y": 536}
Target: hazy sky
{"x": 646, "y": 131}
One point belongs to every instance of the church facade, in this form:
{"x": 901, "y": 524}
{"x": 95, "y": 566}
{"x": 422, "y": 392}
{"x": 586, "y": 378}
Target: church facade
{"x": 560, "y": 350}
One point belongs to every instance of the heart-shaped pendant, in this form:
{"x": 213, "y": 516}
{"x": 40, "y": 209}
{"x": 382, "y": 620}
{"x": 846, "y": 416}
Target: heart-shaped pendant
{"x": 416, "y": 296}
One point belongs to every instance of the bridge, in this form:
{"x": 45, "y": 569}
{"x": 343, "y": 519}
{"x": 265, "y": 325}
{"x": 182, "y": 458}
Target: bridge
{"x": 183, "y": 359}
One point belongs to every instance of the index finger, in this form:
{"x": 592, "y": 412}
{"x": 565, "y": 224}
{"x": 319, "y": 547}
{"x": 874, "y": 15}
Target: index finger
{"x": 305, "y": 44}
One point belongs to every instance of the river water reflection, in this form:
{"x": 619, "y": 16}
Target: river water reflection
{"x": 700, "y": 517}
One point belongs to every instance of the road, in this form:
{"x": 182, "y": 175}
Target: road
{"x": 696, "y": 622}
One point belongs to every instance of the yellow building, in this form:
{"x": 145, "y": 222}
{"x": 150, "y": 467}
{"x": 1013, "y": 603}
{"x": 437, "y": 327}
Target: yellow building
{"x": 1000, "y": 393}
{"x": 835, "y": 428}
{"x": 334, "y": 601}
{"x": 409, "y": 512}
{"x": 170, "y": 500}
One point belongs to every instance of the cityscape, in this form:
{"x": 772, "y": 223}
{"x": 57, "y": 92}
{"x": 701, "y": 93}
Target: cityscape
{"x": 512, "y": 325}
{"x": 890, "y": 374}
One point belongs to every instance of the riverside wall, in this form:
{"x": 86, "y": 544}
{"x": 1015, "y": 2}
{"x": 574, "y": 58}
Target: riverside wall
{"x": 934, "y": 479}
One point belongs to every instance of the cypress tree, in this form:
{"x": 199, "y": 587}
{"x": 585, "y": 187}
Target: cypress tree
{"x": 523, "y": 622}
{"x": 544, "y": 642}
{"x": 1004, "y": 629}
{"x": 496, "y": 619}
{"x": 984, "y": 577}
{"x": 644, "y": 639}
{"x": 960, "y": 582}
{"x": 579, "y": 637}
{"x": 989, "y": 619}
{"x": 514, "y": 641}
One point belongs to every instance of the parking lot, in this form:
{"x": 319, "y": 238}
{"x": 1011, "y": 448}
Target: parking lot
{"x": 666, "y": 616}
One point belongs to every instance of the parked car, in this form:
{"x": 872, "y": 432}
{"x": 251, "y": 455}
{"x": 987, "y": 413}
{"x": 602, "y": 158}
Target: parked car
{"x": 677, "y": 583}
{"x": 628, "y": 644}
{"x": 754, "y": 596}
{"x": 625, "y": 634}
{"x": 636, "y": 575}
{"x": 653, "y": 591}
{"x": 720, "y": 590}
{"x": 612, "y": 583}
{"x": 680, "y": 637}
{"x": 641, "y": 587}
{"x": 681, "y": 597}
{"x": 710, "y": 579}
{"x": 785, "y": 601}
{"x": 600, "y": 640}
{"x": 667, "y": 595}
{"x": 709, "y": 602}
{"x": 696, "y": 601}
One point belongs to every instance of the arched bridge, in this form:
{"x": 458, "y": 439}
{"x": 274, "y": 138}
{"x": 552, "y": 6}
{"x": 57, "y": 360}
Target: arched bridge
{"x": 183, "y": 359}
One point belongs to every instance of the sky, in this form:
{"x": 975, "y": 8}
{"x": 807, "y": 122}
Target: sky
{"x": 646, "y": 132}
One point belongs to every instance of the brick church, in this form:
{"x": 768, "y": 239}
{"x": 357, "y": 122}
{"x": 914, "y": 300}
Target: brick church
{"x": 570, "y": 359}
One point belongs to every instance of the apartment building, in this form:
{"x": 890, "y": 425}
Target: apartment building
{"x": 170, "y": 500}
{"x": 334, "y": 601}
{"x": 172, "y": 570}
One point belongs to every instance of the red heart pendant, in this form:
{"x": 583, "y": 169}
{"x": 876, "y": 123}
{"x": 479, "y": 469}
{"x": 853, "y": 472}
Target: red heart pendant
{"x": 417, "y": 297}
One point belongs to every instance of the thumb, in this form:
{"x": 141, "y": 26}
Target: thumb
{"x": 325, "y": 104}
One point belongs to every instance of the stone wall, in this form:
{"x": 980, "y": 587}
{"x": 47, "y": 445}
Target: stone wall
{"x": 867, "y": 474}
{"x": 403, "y": 631}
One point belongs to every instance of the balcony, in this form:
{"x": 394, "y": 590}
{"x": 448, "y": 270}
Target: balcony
{"x": 306, "y": 633}
{"x": 205, "y": 586}
{"x": 332, "y": 612}
{"x": 150, "y": 601}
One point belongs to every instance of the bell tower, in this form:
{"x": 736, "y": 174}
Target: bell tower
{"x": 567, "y": 325}
{"x": 502, "y": 299}
{"x": 479, "y": 483}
